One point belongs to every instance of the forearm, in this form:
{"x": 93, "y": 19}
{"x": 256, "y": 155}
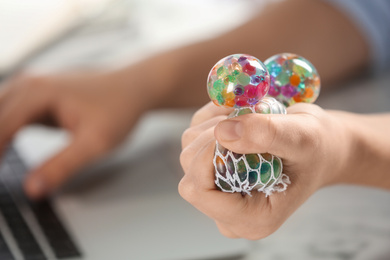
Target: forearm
{"x": 368, "y": 141}
{"x": 306, "y": 27}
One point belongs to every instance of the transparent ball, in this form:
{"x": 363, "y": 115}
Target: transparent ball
{"x": 293, "y": 79}
{"x": 238, "y": 80}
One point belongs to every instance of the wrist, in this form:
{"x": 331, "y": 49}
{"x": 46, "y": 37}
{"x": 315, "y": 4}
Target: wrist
{"x": 342, "y": 145}
{"x": 365, "y": 157}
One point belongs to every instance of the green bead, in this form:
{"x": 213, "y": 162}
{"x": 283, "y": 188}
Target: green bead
{"x": 224, "y": 185}
{"x": 235, "y": 73}
{"x": 241, "y": 170}
{"x": 301, "y": 71}
{"x": 253, "y": 177}
{"x": 282, "y": 79}
{"x": 265, "y": 172}
{"x": 219, "y": 85}
{"x": 231, "y": 78}
{"x": 222, "y": 71}
{"x": 277, "y": 168}
{"x": 253, "y": 161}
{"x": 213, "y": 93}
{"x": 243, "y": 79}
{"x": 244, "y": 111}
{"x": 220, "y": 99}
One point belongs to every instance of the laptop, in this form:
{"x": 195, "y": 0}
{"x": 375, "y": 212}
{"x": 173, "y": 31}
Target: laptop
{"x": 124, "y": 207}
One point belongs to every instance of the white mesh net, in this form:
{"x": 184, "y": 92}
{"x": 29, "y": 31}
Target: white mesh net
{"x": 246, "y": 172}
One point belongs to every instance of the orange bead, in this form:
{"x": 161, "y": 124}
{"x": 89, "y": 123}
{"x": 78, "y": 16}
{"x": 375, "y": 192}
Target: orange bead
{"x": 297, "y": 98}
{"x": 295, "y": 80}
{"x": 230, "y": 103}
{"x": 227, "y": 95}
{"x": 308, "y": 93}
{"x": 219, "y": 160}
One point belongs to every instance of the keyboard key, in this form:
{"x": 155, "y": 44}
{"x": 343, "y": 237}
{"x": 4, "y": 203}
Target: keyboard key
{"x": 19, "y": 229}
{"x": 55, "y": 232}
{"x": 5, "y": 253}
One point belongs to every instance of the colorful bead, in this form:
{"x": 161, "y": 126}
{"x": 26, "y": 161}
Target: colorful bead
{"x": 245, "y": 172}
{"x": 238, "y": 80}
{"x": 253, "y": 160}
{"x": 293, "y": 79}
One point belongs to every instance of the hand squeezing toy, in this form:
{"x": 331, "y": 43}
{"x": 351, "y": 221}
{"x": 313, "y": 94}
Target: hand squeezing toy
{"x": 242, "y": 82}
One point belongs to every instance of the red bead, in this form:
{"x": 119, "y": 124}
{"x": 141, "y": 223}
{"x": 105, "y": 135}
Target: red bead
{"x": 264, "y": 88}
{"x": 249, "y": 69}
{"x": 251, "y": 91}
{"x": 241, "y": 101}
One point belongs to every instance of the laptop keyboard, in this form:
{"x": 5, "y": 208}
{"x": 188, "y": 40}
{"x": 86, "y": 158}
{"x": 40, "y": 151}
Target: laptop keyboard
{"x": 18, "y": 226}
{"x": 5, "y": 253}
{"x": 55, "y": 232}
{"x": 12, "y": 170}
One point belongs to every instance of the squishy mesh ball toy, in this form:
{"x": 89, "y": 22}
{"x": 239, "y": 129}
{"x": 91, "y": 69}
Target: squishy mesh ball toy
{"x": 242, "y": 82}
{"x": 293, "y": 79}
{"x": 238, "y": 81}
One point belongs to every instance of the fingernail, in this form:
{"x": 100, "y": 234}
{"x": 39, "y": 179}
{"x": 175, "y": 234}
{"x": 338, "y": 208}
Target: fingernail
{"x": 229, "y": 130}
{"x": 35, "y": 187}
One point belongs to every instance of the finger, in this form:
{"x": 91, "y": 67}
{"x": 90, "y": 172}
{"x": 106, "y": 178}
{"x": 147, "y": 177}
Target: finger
{"x": 209, "y": 111}
{"x": 225, "y": 230}
{"x": 192, "y": 133}
{"x": 52, "y": 174}
{"x": 304, "y": 108}
{"x": 286, "y": 136}
{"x": 6, "y": 92}
{"x": 189, "y": 152}
{"x": 18, "y": 111}
{"x": 198, "y": 188}
{"x": 3, "y": 92}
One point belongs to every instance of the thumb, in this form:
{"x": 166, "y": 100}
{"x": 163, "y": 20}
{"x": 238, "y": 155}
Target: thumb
{"x": 286, "y": 136}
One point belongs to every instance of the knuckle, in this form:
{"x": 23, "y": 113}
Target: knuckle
{"x": 254, "y": 236}
{"x": 196, "y": 118}
{"x": 316, "y": 110}
{"x": 308, "y": 136}
{"x": 227, "y": 233}
{"x": 187, "y": 189}
{"x": 256, "y": 232}
{"x": 188, "y": 135}
{"x": 185, "y": 158}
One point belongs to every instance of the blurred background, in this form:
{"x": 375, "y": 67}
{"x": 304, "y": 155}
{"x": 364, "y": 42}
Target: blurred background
{"x": 119, "y": 216}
